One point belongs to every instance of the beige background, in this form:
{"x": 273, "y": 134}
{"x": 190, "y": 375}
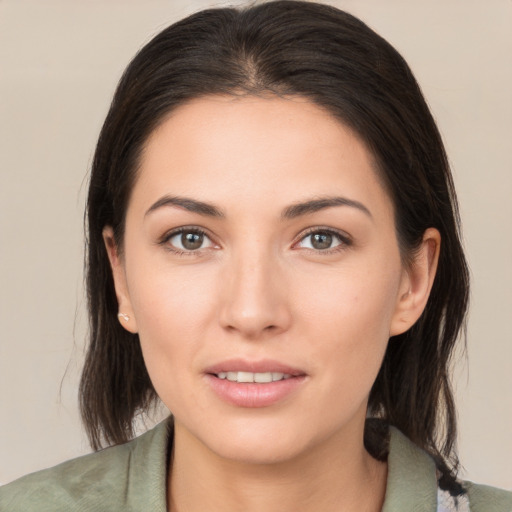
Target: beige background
{"x": 59, "y": 63}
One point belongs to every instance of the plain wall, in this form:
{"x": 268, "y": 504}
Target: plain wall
{"x": 59, "y": 63}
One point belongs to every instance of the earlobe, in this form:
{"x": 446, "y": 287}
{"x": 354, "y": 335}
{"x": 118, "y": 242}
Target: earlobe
{"x": 125, "y": 315}
{"x": 416, "y": 284}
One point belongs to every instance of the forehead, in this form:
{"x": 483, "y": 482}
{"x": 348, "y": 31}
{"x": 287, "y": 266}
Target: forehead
{"x": 224, "y": 148}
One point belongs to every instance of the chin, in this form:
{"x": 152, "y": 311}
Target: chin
{"x": 259, "y": 440}
{"x": 259, "y": 451}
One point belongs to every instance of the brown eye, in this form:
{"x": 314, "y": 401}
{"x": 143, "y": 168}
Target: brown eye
{"x": 189, "y": 240}
{"x": 323, "y": 240}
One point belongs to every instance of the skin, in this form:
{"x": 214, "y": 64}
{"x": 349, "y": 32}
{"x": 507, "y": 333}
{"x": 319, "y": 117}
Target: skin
{"x": 257, "y": 288}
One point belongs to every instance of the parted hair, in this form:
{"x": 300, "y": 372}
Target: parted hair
{"x": 315, "y": 51}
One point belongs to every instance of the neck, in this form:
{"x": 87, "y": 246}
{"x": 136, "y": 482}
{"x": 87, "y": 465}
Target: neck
{"x": 337, "y": 476}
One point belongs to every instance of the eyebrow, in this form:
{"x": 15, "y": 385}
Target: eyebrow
{"x": 315, "y": 205}
{"x": 290, "y": 212}
{"x": 192, "y": 205}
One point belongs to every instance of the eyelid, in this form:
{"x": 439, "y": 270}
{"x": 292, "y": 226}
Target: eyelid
{"x": 344, "y": 238}
{"x": 164, "y": 239}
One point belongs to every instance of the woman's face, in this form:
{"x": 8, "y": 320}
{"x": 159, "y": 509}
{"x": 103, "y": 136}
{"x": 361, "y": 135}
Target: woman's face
{"x": 260, "y": 245}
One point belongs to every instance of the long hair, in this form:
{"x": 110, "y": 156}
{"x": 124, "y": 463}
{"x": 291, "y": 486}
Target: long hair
{"x": 333, "y": 59}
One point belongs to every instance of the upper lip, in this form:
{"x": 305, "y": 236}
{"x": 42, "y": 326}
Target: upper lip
{"x": 261, "y": 366}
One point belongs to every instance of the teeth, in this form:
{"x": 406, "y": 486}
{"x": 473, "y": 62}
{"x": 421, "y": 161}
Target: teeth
{"x": 253, "y": 377}
{"x": 263, "y": 377}
{"x": 245, "y": 377}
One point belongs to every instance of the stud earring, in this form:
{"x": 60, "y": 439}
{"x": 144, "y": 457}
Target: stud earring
{"x": 123, "y": 316}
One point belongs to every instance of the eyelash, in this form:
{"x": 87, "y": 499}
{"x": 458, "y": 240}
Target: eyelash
{"x": 343, "y": 238}
{"x": 164, "y": 241}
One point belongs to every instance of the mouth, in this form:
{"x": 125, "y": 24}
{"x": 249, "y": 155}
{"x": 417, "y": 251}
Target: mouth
{"x": 246, "y": 371}
{"x": 260, "y": 378}
{"x": 254, "y": 384}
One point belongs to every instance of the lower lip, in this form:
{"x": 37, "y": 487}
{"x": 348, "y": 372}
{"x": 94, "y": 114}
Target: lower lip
{"x": 251, "y": 394}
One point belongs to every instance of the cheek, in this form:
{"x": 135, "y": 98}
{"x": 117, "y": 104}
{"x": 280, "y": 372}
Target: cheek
{"x": 350, "y": 316}
{"x": 354, "y": 299}
{"x": 173, "y": 309}
{"x": 172, "y": 298}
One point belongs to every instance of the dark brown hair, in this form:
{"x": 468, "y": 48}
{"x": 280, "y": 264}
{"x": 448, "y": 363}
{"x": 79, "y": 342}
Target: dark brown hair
{"x": 335, "y": 60}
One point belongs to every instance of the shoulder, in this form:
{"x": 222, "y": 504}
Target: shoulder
{"x": 112, "y": 479}
{"x": 483, "y": 498}
{"x": 81, "y": 480}
{"x": 477, "y": 498}
{"x": 413, "y": 484}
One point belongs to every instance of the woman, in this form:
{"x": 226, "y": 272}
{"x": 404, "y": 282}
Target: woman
{"x": 274, "y": 253}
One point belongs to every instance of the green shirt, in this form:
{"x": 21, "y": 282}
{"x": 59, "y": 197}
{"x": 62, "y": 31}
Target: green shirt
{"x": 132, "y": 477}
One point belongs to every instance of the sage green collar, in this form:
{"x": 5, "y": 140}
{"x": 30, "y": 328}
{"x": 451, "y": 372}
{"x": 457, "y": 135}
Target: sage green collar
{"x": 412, "y": 483}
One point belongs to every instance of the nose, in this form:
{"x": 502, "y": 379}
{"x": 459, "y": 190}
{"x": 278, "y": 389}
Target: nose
{"x": 254, "y": 297}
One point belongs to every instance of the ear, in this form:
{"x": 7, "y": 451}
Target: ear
{"x": 416, "y": 283}
{"x": 126, "y": 316}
